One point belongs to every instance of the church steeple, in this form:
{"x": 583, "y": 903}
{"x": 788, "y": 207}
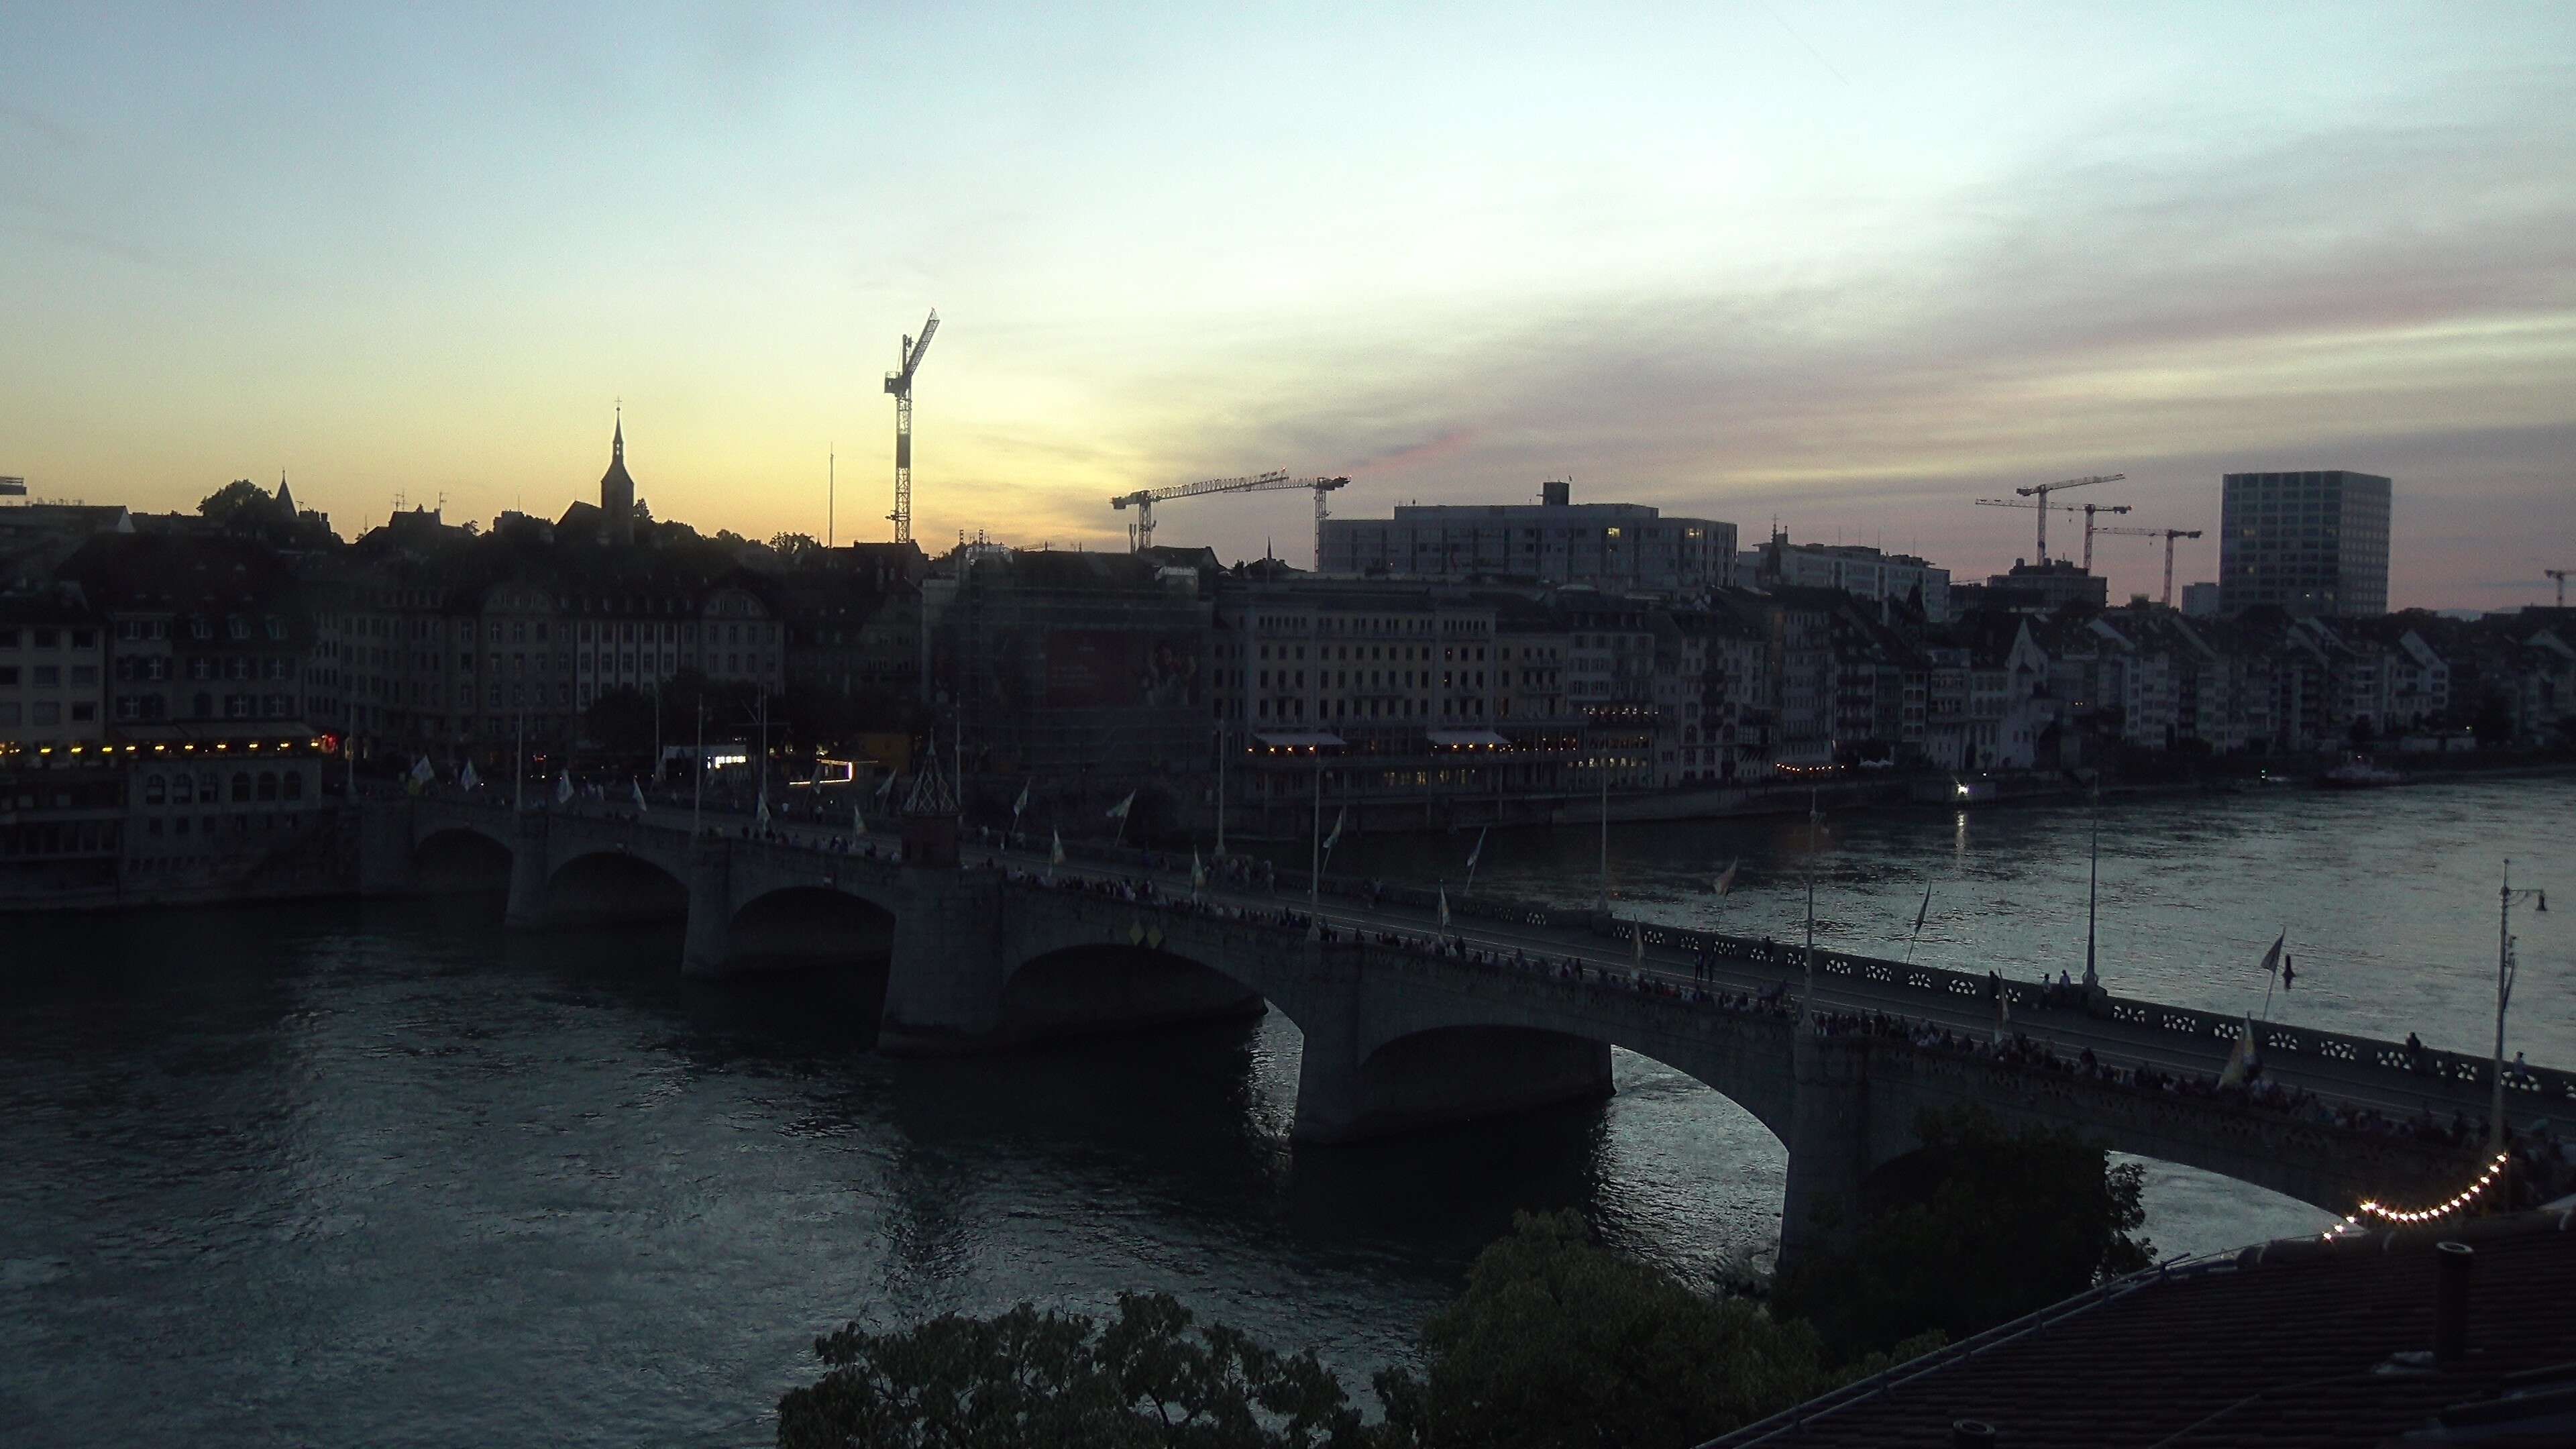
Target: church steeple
{"x": 285, "y": 500}
{"x": 616, "y": 489}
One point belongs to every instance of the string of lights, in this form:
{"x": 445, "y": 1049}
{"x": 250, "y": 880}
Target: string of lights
{"x": 2402, "y": 1216}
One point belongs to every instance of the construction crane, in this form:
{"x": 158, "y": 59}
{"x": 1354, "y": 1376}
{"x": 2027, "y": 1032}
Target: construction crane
{"x": 1140, "y": 534}
{"x": 2561, "y": 576}
{"x": 2168, "y": 535}
{"x": 899, "y": 383}
{"x": 2042, "y": 490}
{"x": 2088, "y": 510}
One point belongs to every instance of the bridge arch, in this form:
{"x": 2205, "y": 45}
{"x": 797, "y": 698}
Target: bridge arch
{"x": 1084, "y": 987}
{"x": 460, "y": 858}
{"x": 794, "y": 925}
{"x": 602, "y": 886}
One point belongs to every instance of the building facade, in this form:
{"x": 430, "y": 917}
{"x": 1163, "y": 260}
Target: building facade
{"x": 1610, "y": 546}
{"x": 2312, "y": 543}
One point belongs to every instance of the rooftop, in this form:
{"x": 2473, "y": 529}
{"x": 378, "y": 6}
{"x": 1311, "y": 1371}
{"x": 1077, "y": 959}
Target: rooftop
{"x": 2295, "y": 1343}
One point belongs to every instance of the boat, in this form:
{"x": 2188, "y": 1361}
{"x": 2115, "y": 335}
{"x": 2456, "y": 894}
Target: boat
{"x": 2358, "y": 773}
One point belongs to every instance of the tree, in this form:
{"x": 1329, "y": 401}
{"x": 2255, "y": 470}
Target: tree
{"x": 240, "y": 506}
{"x": 795, "y": 549}
{"x": 1978, "y": 1228}
{"x": 1031, "y": 1380}
{"x": 1560, "y": 1342}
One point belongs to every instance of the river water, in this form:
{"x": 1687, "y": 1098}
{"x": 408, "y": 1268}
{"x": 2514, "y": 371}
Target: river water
{"x": 338, "y": 1175}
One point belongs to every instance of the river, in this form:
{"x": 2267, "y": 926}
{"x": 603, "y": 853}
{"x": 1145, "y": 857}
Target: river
{"x": 332, "y": 1174}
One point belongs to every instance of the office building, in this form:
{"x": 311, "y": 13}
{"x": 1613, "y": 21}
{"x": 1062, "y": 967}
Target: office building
{"x": 2313, "y": 543}
{"x": 1625, "y": 546}
{"x": 1862, "y": 572}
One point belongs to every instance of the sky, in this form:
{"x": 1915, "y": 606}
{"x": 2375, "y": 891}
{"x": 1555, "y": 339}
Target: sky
{"x": 1847, "y": 267}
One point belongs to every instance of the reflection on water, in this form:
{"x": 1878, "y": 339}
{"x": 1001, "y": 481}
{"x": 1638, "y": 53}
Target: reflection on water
{"x": 339, "y": 1175}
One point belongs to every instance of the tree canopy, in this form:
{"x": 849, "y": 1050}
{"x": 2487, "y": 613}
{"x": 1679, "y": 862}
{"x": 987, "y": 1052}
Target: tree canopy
{"x": 1978, "y": 1228}
{"x": 1558, "y": 1341}
{"x": 1028, "y": 1379}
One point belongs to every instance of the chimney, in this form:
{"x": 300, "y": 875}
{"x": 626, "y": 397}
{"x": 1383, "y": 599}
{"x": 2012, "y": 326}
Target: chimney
{"x": 2451, "y": 1302}
{"x": 1556, "y": 494}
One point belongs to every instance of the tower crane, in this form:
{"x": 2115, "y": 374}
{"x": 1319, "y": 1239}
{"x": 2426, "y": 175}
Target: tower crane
{"x": 1141, "y": 533}
{"x": 899, "y": 383}
{"x": 2168, "y": 535}
{"x": 2088, "y": 510}
{"x": 2042, "y": 490}
{"x": 2561, "y": 576}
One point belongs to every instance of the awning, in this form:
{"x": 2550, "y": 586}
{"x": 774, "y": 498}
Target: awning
{"x": 1465, "y": 737}
{"x": 1300, "y": 739}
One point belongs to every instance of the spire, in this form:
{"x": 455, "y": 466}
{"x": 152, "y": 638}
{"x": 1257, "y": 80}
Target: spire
{"x": 285, "y": 500}
{"x": 617, "y": 443}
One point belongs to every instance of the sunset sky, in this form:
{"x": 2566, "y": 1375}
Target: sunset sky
{"x": 1849, "y": 266}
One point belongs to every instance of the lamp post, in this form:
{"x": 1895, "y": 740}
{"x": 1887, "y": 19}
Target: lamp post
{"x": 2506, "y": 898}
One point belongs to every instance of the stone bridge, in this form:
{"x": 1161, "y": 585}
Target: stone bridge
{"x": 1400, "y": 1039}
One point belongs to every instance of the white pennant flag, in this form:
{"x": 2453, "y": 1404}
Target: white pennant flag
{"x": 1338, "y": 817}
{"x": 858, "y": 820}
{"x": 1055, "y": 852}
{"x": 1198, "y": 869}
{"x": 1444, "y": 906}
{"x": 638, "y": 787}
{"x": 469, "y": 779}
{"x": 1638, "y": 931}
{"x": 1119, "y": 810}
{"x": 563, "y": 787}
{"x": 885, "y": 787}
{"x": 762, "y": 815}
{"x": 1726, "y": 877}
{"x": 422, "y": 773}
{"x": 1021, "y": 803}
{"x": 2272, "y": 958}
{"x": 1478, "y": 853}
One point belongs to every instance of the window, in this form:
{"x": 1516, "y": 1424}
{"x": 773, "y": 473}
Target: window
{"x": 292, "y": 787}
{"x": 241, "y": 786}
{"x": 45, "y": 712}
{"x": 84, "y": 711}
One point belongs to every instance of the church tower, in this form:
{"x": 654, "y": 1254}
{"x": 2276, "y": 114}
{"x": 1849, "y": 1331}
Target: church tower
{"x": 616, "y": 490}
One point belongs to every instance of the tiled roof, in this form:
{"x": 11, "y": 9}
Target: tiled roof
{"x": 2284, "y": 1345}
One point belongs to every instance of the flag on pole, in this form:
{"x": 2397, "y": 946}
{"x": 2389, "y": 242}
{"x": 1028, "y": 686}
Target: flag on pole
{"x": 885, "y": 787}
{"x": 638, "y": 787}
{"x": 421, "y": 773}
{"x": 469, "y": 779}
{"x": 1726, "y": 877}
{"x": 1338, "y": 817}
{"x": 1478, "y": 853}
{"x": 1923, "y": 910}
{"x": 1020, "y": 804}
{"x": 1637, "y": 933}
{"x": 858, "y": 819}
{"x": 1444, "y": 908}
{"x": 2240, "y": 1058}
{"x": 1119, "y": 810}
{"x": 1198, "y": 870}
{"x": 2272, "y": 958}
{"x": 563, "y": 787}
{"x": 762, "y": 814}
{"x": 1055, "y": 853}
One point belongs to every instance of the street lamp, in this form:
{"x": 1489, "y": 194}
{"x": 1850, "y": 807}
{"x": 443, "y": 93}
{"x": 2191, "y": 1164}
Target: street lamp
{"x": 2506, "y": 899}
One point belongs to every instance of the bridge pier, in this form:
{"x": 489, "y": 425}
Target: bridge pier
{"x": 945, "y": 978}
{"x": 710, "y": 930}
{"x": 528, "y": 874}
{"x": 385, "y": 848}
{"x": 1829, "y": 1144}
